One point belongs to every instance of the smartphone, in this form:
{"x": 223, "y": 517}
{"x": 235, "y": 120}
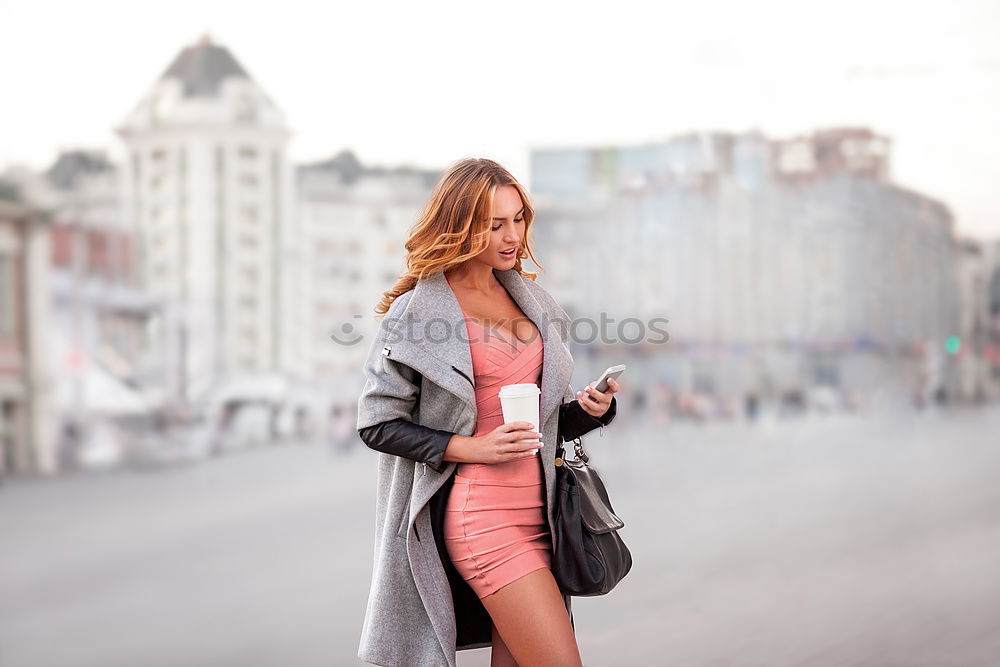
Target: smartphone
{"x": 611, "y": 372}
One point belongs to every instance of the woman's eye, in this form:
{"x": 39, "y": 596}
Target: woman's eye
{"x": 499, "y": 226}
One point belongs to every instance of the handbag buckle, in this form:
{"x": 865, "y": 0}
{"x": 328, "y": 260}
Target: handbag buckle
{"x": 578, "y": 448}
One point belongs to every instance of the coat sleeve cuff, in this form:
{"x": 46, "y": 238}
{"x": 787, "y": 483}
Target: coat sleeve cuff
{"x": 574, "y": 421}
{"x": 606, "y": 418}
{"x": 402, "y": 437}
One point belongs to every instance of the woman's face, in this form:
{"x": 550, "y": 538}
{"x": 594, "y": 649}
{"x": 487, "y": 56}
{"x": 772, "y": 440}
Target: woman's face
{"x": 507, "y": 230}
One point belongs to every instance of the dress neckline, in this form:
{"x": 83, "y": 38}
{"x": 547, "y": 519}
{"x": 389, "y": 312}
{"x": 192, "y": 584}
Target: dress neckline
{"x": 465, "y": 315}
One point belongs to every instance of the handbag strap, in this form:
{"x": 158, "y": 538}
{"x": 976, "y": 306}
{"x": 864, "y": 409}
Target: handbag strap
{"x": 577, "y": 448}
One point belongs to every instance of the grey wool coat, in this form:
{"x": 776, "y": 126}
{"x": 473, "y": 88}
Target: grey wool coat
{"x": 419, "y": 367}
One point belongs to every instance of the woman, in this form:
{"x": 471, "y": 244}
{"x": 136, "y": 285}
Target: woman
{"x": 464, "y": 510}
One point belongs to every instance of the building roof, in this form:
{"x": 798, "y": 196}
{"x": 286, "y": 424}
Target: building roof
{"x": 72, "y": 164}
{"x": 345, "y": 163}
{"x": 349, "y": 168}
{"x": 202, "y": 67}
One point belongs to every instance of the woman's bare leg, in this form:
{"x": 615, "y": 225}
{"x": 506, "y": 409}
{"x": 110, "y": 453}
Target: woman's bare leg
{"x": 531, "y": 616}
{"x": 500, "y": 655}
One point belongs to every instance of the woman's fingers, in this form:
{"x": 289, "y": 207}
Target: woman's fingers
{"x": 596, "y": 403}
{"x": 523, "y": 439}
{"x": 591, "y": 396}
{"x": 517, "y": 440}
{"x": 524, "y": 447}
{"x": 514, "y": 426}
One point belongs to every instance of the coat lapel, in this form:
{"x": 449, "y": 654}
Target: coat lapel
{"x": 430, "y": 336}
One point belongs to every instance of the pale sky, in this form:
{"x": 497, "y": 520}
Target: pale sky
{"x": 426, "y": 83}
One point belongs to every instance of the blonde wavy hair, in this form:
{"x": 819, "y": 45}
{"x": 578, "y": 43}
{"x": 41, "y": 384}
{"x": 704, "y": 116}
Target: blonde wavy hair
{"x": 454, "y": 225}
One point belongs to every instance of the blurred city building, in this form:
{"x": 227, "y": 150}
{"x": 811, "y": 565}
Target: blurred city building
{"x": 976, "y": 344}
{"x": 109, "y": 373}
{"x": 784, "y": 266}
{"x": 352, "y": 221}
{"x": 208, "y": 186}
{"x": 27, "y": 380}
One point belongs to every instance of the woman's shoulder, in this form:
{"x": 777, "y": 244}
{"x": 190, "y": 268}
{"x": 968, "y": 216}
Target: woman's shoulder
{"x": 539, "y": 291}
{"x": 535, "y": 286}
{"x": 399, "y": 303}
{"x": 548, "y": 302}
{"x": 396, "y": 307}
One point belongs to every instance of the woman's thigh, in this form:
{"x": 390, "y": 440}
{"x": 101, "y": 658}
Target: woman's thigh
{"x": 532, "y": 618}
{"x": 500, "y": 655}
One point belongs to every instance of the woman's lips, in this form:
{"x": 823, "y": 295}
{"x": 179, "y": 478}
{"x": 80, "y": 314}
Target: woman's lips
{"x": 509, "y": 254}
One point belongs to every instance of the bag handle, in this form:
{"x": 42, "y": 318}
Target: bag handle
{"x": 577, "y": 448}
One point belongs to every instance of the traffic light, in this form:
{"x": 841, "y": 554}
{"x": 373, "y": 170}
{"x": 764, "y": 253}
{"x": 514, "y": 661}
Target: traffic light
{"x": 951, "y": 344}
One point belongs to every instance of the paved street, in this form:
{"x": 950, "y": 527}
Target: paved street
{"x": 821, "y": 542}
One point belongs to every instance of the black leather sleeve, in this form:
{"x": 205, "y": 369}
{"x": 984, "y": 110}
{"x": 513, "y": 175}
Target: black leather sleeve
{"x": 574, "y": 421}
{"x": 402, "y": 437}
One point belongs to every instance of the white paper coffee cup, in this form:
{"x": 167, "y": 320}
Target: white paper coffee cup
{"x": 520, "y": 403}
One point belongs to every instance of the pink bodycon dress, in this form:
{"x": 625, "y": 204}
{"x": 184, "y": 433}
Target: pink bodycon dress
{"x": 495, "y": 526}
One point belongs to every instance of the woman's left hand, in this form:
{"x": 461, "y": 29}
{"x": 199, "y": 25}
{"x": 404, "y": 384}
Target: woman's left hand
{"x": 596, "y": 403}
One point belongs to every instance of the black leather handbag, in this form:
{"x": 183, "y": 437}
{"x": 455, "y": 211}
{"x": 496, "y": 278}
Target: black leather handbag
{"x": 588, "y": 556}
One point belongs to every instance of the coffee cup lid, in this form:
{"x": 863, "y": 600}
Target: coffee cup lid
{"x": 521, "y": 389}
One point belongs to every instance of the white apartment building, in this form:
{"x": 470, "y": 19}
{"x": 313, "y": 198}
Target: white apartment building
{"x": 208, "y": 185}
{"x": 353, "y": 221}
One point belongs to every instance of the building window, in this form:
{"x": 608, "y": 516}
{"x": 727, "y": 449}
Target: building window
{"x": 248, "y": 153}
{"x": 250, "y": 212}
{"x": 8, "y": 296}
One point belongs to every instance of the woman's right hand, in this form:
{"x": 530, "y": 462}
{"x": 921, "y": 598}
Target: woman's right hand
{"x": 507, "y": 442}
